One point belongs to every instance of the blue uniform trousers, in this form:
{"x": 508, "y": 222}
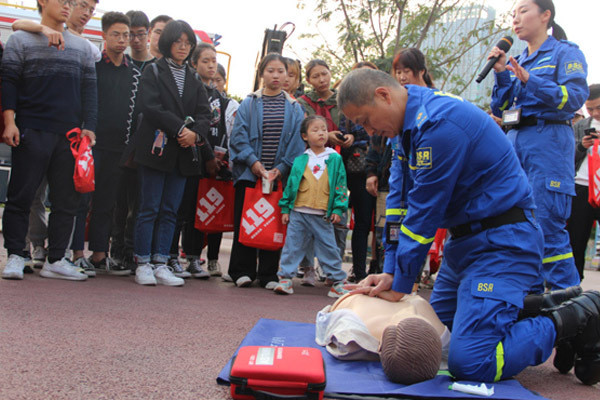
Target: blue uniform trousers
{"x": 546, "y": 153}
{"x": 478, "y": 294}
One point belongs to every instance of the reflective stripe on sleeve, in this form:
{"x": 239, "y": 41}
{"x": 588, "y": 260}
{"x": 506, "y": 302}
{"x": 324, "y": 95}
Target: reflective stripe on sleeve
{"x": 499, "y": 361}
{"x": 565, "y": 97}
{"x": 415, "y": 237}
{"x": 559, "y": 257}
{"x": 504, "y": 106}
{"x": 395, "y": 211}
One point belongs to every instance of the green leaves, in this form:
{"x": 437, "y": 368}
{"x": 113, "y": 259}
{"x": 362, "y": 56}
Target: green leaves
{"x": 454, "y": 35}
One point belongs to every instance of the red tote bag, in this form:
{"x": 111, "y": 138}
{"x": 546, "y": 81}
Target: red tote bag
{"x": 214, "y": 208}
{"x": 83, "y": 176}
{"x": 594, "y": 176}
{"x": 261, "y": 225}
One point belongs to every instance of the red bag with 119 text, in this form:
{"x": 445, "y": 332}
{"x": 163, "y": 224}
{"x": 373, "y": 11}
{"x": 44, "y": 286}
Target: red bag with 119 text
{"x": 261, "y": 225}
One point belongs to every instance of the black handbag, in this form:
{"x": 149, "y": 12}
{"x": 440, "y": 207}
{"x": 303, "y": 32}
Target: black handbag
{"x": 356, "y": 160}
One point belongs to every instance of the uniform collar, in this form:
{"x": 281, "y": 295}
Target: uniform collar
{"x": 107, "y": 59}
{"x": 413, "y": 104}
{"x": 548, "y": 45}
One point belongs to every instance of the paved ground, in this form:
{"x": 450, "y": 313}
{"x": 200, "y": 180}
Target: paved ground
{"x": 109, "y": 338}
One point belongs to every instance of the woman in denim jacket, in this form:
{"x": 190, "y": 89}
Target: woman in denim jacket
{"x": 264, "y": 143}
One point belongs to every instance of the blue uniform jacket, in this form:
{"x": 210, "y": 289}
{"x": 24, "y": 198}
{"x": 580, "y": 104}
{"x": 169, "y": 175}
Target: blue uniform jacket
{"x": 245, "y": 145}
{"x": 459, "y": 168}
{"x": 556, "y": 87}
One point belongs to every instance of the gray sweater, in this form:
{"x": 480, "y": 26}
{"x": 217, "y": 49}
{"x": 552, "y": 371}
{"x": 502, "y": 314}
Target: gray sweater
{"x": 49, "y": 89}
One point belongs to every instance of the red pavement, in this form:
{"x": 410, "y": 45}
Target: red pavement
{"x": 109, "y": 338}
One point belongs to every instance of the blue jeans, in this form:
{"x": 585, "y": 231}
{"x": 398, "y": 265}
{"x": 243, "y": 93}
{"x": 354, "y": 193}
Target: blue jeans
{"x": 305, "y": 231}
{"x": 160, "y": 197}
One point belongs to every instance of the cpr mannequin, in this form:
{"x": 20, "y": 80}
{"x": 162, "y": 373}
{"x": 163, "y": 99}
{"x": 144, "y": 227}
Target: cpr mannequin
{"x": 407, "y": 336}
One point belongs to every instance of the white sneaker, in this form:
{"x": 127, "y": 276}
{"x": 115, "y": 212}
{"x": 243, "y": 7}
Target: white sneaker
{"x": 14, "y": 267}
{"x": 271, "y": 285}
{"x": 63, "y": 269}
{"x": 226, "y": 278}
{"x": 214, "y": 268}
{"x": 243, "y": 281}
{"x": 144, "y": 275}
{"x": 164, "y": 276}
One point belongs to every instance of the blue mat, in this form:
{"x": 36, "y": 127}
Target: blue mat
{"x": 346, "y": 378}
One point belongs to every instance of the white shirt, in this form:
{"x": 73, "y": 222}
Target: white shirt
{"x": 317, "y": 166}
{"x": 582, "y": 176}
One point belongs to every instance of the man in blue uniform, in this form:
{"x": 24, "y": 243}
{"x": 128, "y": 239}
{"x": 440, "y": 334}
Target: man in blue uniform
{"x": 465, "y": 176}
{"x": 539, "y": 98}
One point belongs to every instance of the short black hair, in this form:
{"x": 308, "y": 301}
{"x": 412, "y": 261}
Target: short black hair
{"x": 40, "y": 7}
{"x": 200, "y": 47}
{"x": 114, "y": 17}
{"x": 172, "y": 32}
{"x": 161, "y": 18}
{"x": 138, "y": 19}
{"x": 594, "y": 91}
{"x": 267, "y": 59}
{"x": 306, "y": 122}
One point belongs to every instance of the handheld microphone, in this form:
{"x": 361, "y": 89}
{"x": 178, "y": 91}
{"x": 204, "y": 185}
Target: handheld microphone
{"x": 504, "y": 44}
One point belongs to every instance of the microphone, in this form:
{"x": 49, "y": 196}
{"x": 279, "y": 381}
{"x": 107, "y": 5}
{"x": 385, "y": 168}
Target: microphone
{"x": 504, "y": 44}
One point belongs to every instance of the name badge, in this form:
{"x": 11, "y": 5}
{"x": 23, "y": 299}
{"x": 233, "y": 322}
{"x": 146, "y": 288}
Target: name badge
{"x": 392, "y": 232}
{"x": 511, "y": 117}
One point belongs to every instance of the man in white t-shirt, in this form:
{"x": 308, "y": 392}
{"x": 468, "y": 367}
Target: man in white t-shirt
{"x": 583, "y": 214}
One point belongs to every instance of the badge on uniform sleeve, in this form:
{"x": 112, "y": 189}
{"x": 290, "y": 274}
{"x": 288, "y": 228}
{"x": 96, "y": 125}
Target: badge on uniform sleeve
{"x": 424, "y": 156}
{"x": 573, "y": 67}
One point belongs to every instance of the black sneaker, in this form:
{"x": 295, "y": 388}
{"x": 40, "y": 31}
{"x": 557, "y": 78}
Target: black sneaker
{"x": 175, "y": 266}
{"x": 108, "y": 266}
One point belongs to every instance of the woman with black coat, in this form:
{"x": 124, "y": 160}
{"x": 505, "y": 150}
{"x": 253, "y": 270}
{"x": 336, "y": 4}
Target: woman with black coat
{"x": 170, "y": 145}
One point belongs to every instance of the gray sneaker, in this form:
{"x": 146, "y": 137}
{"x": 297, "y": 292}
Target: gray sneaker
{"x": 108, "y": 266}
{"x": 176, "y": 268}
{"x": 14, "y": 267}
{"x": 310, "y": 277}
{"x": 214, "y": 269}
{"x": 195, "y": 268}
{"x": 86, "y": 266}
{"x": 39, "y": 256}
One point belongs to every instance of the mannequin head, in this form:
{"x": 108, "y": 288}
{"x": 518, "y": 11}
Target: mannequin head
{"x": 410, "y": 351}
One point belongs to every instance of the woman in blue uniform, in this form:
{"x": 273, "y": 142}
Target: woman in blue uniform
{"x": 537, "y": 93}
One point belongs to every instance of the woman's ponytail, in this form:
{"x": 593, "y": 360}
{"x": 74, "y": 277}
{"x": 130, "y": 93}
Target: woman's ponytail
{"x": 558, "y": 32}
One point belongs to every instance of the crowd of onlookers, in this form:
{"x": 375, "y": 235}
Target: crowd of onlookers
{"x": 154, "y": 105}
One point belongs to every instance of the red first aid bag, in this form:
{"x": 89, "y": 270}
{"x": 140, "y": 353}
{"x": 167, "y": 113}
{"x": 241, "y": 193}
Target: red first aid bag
{"x": 261, "y": 225}
{"x": 594, "y": 176}
{"x": 83, "y": 177}
{"x": 277, "y": 373}
{"x": 214, "y": 208}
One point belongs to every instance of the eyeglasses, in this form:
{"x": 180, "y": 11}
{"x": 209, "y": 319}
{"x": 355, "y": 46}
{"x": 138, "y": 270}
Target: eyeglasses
{"x": 182, "y": 43}
{"x": 70, "y": 3}
{"x": 140, "y": 35}
{"x": 117, "y": 35}
{"x": 85, "y": 6}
